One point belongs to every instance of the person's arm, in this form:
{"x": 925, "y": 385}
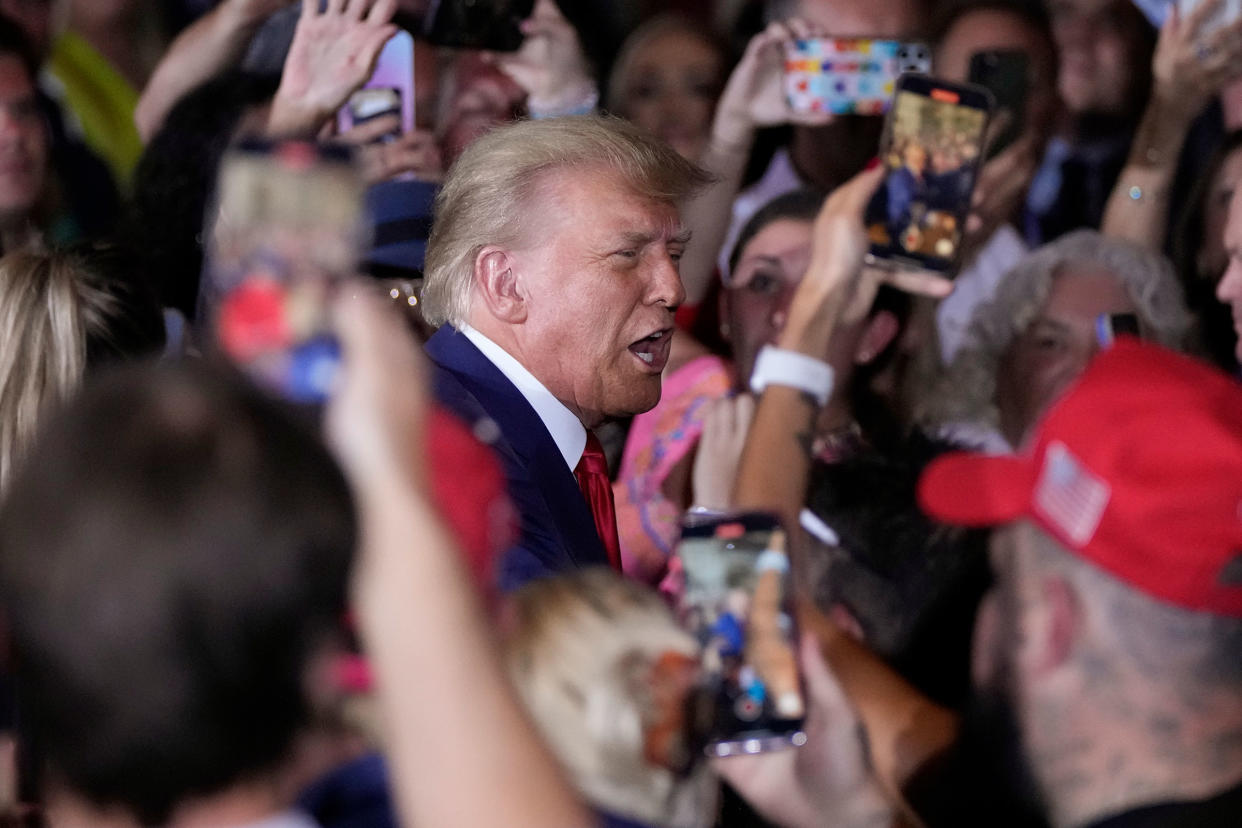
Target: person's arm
{"x": 332, "y": 55}
{"x": 207, "y": 47}
{"x": 462, "y": 751}
{"x": 753, "y": 97}
{"x": 1187, "y": 70}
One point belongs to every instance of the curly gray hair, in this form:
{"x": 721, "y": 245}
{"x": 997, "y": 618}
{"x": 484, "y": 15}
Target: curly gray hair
{"x": 966, "y": 392}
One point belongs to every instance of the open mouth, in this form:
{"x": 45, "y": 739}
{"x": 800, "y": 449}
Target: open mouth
{"x": 653, "y": 350}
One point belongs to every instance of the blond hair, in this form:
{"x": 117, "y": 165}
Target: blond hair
{"x": 486, "y": 198}
{"x": 54, "y": 309}
{"x": 576, "y": 657}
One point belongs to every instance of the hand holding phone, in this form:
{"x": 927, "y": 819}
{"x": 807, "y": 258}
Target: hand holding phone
{"x": 932, "y": 150}
{"x": 738, "y": 603}
{"x": 848, "y": 76}
{"x": 390, "y": 90}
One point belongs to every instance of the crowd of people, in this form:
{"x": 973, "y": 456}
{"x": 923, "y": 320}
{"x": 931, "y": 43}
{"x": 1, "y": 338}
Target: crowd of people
{"x": 538, "y": 441}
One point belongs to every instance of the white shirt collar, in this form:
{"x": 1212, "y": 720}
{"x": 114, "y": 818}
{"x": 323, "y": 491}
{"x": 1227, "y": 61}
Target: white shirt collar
{"x": 566, "y": 429}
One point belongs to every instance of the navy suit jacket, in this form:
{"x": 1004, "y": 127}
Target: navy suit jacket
{"x": 557, "y": 530}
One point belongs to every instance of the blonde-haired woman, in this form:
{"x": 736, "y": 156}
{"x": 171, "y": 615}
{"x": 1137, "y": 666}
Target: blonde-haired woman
{"x": 60, "y": 315}
{"x": 605, "y": 671}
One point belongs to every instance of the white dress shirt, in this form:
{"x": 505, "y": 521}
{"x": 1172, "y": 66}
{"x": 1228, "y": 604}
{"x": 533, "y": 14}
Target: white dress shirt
{"x": 566, "y": 429}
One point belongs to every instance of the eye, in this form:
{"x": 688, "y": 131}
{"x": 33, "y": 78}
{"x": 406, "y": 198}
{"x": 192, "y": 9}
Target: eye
{"x": 764, "y": 284}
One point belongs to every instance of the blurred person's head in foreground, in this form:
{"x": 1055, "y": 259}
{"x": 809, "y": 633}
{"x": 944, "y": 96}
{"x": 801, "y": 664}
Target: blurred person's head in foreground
{"x": 559, "y": 240}
{"x": 174, "y": 569}
{"x": 906, "y": 584}
{"x": 63, "y": 315}
{"x": 768, "y": 262}
{"x": 1110, "y": 639}
{"x": 605, "y": 671}
{"x": 1039, "y": 331}
{"x": 667, "y": 78}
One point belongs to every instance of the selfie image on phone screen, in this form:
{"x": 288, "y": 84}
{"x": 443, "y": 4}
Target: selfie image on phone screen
{"x": 738, "y": 604}
{"x": 287, "y": 227}
{"x": 933, "y": 148}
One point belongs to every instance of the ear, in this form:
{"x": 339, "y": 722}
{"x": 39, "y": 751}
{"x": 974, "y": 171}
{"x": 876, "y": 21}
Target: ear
{"x": 497, "y": 284}
{"x": 881, "y": 330}
{"x": 1056, "y": 626}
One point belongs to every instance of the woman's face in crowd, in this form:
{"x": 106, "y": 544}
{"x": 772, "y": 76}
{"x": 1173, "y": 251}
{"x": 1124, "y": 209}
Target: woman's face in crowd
{"x": 1212, "y": 258}
{"x": 1056, "y": 346}
{"x": 671, "y": 89}
{"x": 762, "y": 285}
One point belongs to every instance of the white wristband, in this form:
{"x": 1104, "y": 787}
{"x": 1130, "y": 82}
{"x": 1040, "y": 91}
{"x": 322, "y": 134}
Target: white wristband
{"x": 776, "y": 366}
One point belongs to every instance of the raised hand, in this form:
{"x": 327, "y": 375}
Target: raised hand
{"x": 551, "y": 65}
{"x": 412, "y": 152}
{"x": 1194, "y": 58}
{"x": 720, "y": 448}
{"x": 754, "y": 95}
{"x": 375, "y": 420}
{"x": 332, "y": 54}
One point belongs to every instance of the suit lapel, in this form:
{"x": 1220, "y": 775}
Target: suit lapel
{"x": 526, "y": 437}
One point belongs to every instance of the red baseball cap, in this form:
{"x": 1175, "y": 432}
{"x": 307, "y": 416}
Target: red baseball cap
{"x": 1137, "y": 468}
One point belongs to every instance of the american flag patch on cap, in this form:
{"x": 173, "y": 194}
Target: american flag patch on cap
{"x": 1069, "y": 496}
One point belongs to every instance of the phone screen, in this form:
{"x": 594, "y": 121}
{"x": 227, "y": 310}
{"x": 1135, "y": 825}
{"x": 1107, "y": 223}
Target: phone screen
{"x": 848, "y": 76}
{"x": 738, "y": 604}
{"x": 288, "y": 225}
{"x": 390, "y": 91}
{"x": 933, "y": 147}
{"x": 494, "y": 25}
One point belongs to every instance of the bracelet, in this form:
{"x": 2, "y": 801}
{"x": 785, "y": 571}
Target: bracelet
{"x": 777, "y": 366}
{"x": 584, "y": 105}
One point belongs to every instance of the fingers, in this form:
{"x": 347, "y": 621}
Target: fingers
{"x": 919, "y": 282}
{"x": 372, "y": 130}
{"x": 381, "y": 12}
{"x": 851, "y": 198}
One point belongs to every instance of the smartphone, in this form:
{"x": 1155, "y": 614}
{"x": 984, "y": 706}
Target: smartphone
{"x": 932, "y": 149}
{"x": 390, "y": 91}
{"x": 848, "y": 76}
{"x": 288, "y": 225}
{"x": 738, "y": 604}
{"x": 492, "y": 25}
{"x": 1108, "y": 326}
{"x": 1005, "y": 74}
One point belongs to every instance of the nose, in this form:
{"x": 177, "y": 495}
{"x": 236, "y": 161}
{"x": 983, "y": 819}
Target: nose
{"x": 666, "y": 287}
{"x": 1229, "y": 288}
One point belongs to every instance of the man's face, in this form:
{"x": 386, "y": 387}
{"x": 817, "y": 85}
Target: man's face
{"x": 1229, "y": 289}
{"x": 1056, "y": 347}
{"x": 23, "y": 142}
{"x": 1100, "y": 49}
{"x": 600, "y": 283}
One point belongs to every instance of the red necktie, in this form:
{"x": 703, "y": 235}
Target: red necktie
{"x": 592, "y": 474}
